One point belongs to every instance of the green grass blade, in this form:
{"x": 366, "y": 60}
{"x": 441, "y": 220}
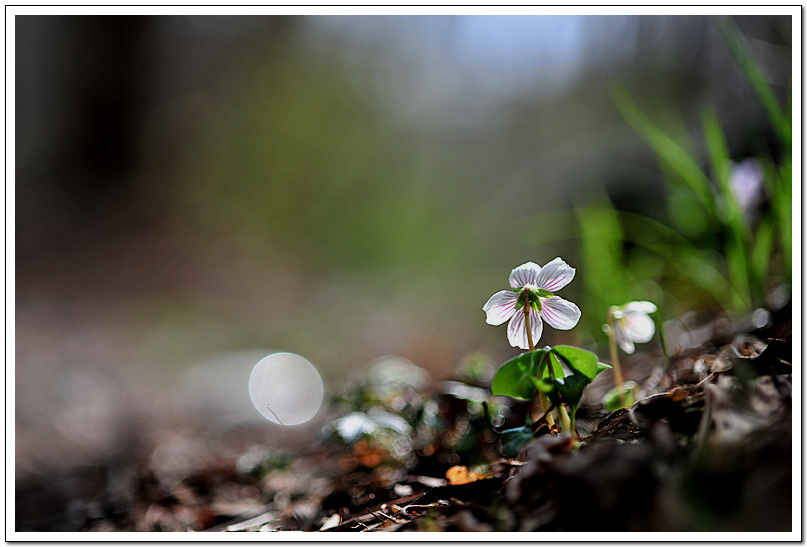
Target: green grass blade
{"x": 783, "y": 204}
{"x": 761, "y": 253}
{"x": 678, "y": 159}
{"x": 601, "y": 243}
{"x": 780, "y": 121}
{"x": 732, "y": 216}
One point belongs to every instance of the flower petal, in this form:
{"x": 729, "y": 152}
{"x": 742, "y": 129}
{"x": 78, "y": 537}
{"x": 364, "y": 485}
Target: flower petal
{"x": 559, "y": 313}
{"x": 526, "y": 273}
{"x": 638, "y": 327}
{"x": 639, "y": 307}
{"x": 555, "y": 275}
{"x": 500, "y": 307}
{"x": 536, "y": 326}
{"x": 517, "y": 333}
{"x": 622, "y": 339}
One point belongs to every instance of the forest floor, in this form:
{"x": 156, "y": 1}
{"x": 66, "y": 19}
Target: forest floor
{"x": 707, "y": 447}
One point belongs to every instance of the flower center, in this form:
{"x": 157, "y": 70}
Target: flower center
{"x": 537, "y": 292}
{"x": 531, "y": 296}
{"x": 616, "y": 313}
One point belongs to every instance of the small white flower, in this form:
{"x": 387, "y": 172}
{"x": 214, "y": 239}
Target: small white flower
{"x": 533, "y": 287}
{"x": 632, "y": 323}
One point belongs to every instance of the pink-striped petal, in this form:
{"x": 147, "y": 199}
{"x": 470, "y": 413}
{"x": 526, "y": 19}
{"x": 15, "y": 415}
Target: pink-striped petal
{"x": 559, "y": 313}
{"x": 500, "y": 307}
{"x": 526, "y": 273}
{"x": 517, "y": 332}
{"x": 555, "y": 275}
{"x": 536, "y": 326}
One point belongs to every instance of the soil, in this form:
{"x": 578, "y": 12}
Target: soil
{"x": 707, "y": 447}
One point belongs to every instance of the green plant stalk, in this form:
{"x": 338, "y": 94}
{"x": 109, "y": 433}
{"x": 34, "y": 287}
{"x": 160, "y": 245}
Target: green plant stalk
{"x": 545, "y": 407}
{"x": 541, "y": 397}
{"x": 530, "y": 343}
{"x": 619, "y": 381}
{"x": 568, "y": 424}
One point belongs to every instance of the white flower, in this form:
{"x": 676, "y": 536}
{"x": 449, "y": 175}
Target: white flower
{"x": 533, "y": 287}
{"x": 632, "y": 323}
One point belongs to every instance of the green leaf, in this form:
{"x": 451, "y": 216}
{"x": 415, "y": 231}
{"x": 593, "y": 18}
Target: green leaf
{"x": 602, "y": 367}
{"x": 580, "y": 360}
{"x": 514, "y": 440}
{"x": 515, "y": 377}
{"x": 554, "y": 368}
{"x": 612, "y": 401}
{"x": 543, "y": 293}
{"x": 549, "y": 387}
{"x": 544, "y": 385}
{"x": 571, "y": 388}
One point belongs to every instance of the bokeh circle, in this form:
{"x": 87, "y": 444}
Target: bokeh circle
{"x": 286, "y": 388}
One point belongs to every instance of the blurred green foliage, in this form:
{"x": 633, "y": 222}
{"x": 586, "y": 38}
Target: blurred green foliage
{"x": 712, "y": 253}
{"x": 307, "y": 166}
{"x": 310, "y": 178}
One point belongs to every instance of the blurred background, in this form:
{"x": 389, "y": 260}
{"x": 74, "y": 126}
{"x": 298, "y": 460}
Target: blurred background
{"x": 194, "y": 192}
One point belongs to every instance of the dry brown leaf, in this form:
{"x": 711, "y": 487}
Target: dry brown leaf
{"x": 459, "y": 474}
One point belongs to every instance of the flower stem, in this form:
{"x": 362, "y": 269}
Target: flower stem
{"x": 545, "y": 408}
{"x": 527, "y": 322}
{"x": 541, "y": 397}
{"x": 567, "y": 422}
{"x": 618, "y": 380}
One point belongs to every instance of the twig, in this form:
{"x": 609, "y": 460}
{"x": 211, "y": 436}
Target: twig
{"x": 379, "y": 515}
